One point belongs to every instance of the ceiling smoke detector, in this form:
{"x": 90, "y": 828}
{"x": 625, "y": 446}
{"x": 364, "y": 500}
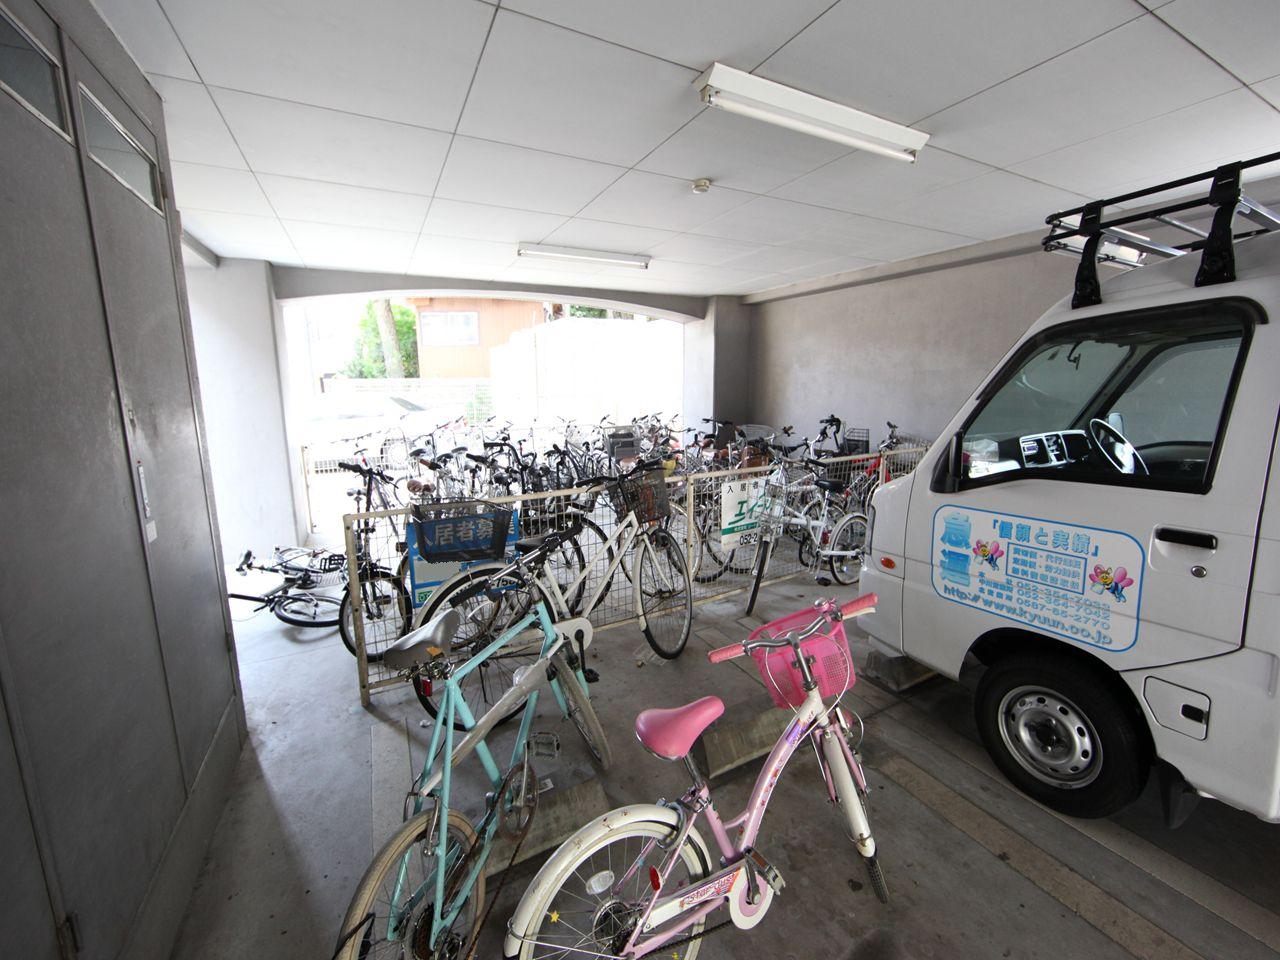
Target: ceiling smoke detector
{"x": 701, "y": 185}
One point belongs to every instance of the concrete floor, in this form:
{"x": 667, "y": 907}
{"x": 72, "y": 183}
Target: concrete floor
{"x": 975, "y": 869}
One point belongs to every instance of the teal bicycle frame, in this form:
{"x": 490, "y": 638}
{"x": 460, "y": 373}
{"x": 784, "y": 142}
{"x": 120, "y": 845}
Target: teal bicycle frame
{"x": 441, "y": 753}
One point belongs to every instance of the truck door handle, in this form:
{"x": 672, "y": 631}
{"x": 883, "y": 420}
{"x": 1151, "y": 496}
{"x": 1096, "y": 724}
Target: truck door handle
{"x": 1188, "y": 538}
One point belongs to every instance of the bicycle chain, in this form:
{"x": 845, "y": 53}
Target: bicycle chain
{"x": 502, "y": 880}
{"x": 697, "y": 936}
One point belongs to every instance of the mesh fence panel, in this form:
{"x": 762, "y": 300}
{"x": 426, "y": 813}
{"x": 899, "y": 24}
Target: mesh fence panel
{"x": 589, "y": 571}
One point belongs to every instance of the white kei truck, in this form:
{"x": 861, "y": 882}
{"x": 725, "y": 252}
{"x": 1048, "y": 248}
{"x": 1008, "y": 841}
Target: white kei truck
{"x": 1099, "y": 525}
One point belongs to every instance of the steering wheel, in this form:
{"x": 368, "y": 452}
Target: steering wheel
{"x": 1123, "y": 454}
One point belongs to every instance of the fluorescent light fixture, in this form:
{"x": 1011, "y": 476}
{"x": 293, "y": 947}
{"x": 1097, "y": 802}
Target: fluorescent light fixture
{"x": 544, "y": 251}
{"x": 751, "y": 96}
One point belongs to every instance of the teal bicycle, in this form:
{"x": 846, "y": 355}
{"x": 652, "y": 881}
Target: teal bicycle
{"x": 423, "y": 896}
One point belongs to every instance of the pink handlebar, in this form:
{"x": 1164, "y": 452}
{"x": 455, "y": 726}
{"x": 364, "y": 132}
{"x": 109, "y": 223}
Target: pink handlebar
{"x": 720, "y": 654}
{"x": 856, "y": 608}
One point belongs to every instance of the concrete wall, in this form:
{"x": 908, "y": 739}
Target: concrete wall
{"x": 233, "y": 324}
{"x": 731, "y": 389}
{"x": 909, "y": 348}
{"x": 717, "y": 362}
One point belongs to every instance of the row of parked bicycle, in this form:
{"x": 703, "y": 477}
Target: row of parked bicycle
{"x": 515, "y": 621}
{"x": 486, "y": 460}
{"x": 636, "y": 880}
{"x": 814, "y": 504}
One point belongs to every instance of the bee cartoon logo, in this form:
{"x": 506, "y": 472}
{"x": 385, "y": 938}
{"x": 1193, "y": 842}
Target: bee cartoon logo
{"x": 1106, "y": 580}
{"x": 988, "y": 552}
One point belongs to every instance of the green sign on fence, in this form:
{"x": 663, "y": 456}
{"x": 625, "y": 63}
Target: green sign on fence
{"x": 741, "y": 505}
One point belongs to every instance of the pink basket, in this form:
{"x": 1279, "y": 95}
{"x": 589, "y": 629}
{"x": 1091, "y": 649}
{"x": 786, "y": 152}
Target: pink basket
{"x": 832, "y": 665}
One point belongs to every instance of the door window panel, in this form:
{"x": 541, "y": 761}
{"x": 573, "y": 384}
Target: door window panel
{"x": 30, "y": 74}
{"x": 1120, "y": 403}
{"x": 111, "y": 147}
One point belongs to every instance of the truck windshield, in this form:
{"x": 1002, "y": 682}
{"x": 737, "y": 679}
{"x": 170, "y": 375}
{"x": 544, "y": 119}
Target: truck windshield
{"x": 1120, "y": 402}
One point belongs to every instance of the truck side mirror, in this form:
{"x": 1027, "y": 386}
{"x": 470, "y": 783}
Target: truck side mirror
{"x": 947, "y": 472}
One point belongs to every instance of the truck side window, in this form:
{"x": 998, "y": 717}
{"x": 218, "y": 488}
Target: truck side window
{"x": 1138, "y": 403}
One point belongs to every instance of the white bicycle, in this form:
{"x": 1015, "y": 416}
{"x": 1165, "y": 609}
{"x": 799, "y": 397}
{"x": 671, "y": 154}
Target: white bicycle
{"x": 651, "y": 557}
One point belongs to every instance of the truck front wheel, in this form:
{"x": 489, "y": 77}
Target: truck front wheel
{"x": 1059, "y": 731}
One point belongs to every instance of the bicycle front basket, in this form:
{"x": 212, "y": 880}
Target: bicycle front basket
{"x": 461, "y": 531}
{"x": 645, "y": 493}
{"x": 856, "y": 441}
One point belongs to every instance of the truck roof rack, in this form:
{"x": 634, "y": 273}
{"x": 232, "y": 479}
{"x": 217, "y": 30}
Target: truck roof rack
{"x": 1087, "y": 232}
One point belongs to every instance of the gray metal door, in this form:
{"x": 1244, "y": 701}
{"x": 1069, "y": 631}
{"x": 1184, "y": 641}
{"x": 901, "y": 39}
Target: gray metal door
{"x": 76, "y": 619}
{"x": 152, "y": 358}
{"x": 29, "y": 918}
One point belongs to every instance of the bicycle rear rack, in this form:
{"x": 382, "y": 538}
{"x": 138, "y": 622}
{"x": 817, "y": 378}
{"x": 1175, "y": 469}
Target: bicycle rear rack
{"x": 1086, "y": 232}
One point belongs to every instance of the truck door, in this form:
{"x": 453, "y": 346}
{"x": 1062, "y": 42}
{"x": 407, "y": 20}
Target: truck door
{"x": 1107, "y": 492}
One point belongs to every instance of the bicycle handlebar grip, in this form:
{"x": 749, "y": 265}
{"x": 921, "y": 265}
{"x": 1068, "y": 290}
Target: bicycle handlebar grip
{"x": 856, "y": 608}
{"x": 720, "y": 654}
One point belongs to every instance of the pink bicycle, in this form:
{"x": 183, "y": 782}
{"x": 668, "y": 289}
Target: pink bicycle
{"x": 641, "y": 878}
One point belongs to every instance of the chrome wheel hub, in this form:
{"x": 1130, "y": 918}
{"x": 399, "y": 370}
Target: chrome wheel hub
{"x": 1050, "y": 737}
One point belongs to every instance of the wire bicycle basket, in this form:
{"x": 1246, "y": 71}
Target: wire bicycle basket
{"x": 644, "y": 493}
{"x": 856, "y": 441}
{"x": 461, "y": 531}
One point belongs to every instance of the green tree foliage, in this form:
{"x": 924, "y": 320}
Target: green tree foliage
{"x": 577, "y": 310}
{"x": 368, "y": 362}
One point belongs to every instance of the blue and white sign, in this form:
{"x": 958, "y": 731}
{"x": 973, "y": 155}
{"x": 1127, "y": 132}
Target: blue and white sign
{"x": 450, "y": 533}
{"x": 1080, "y": 583}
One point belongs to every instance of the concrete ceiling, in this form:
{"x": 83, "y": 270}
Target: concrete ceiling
{"x": 429, "y": 136}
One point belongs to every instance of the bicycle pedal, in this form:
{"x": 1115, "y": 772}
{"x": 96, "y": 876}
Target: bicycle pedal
{"x": 544, "y": 744}
{"x": 591, "y": 675}
{"x": 764, "y": 869}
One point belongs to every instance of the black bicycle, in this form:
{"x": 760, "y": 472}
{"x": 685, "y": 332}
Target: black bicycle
{"x": 303, "y": 571}
{"x": 383, "y": 592}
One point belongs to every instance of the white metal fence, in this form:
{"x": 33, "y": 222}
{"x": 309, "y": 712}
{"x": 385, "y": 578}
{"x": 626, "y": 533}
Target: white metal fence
{"x": 376, "y": 543}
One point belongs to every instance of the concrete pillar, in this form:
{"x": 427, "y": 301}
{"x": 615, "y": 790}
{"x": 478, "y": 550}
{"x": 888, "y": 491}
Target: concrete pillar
{"x": 717, "y": 352}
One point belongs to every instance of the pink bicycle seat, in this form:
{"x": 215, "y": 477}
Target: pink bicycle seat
{"x": 670, "y": 732}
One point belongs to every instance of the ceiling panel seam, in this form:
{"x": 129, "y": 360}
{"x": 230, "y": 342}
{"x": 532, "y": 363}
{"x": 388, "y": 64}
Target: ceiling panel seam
{"x": 231, "y": 133}
{"x": 453, "y": 135}
{"x": 592, "y": 36}
{"x": 1214, "y": 60}
{"x": 1034, "y": 66}
{"x": 774, "y": 53}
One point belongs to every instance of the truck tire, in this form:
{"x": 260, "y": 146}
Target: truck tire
{"x": 1060, "y": 732}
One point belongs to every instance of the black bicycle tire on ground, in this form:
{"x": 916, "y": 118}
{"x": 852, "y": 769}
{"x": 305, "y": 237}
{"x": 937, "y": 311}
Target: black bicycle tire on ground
{"x": 876, "y": 876}
{"x": 839, "y": 571}
{"x": 740, "y": 567}
{"x": 659, "y": 539}
{"x": 465, "y": 586}
{"x": 713, "y": 564}
{"x": 286, "y": 600}
{"x": 763, "y": 549}
{"x": 583, "y": 715}
{"x": 403, "y": 600}
{"x": 589, "y": 525}
{"x": 807, "y": 549}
